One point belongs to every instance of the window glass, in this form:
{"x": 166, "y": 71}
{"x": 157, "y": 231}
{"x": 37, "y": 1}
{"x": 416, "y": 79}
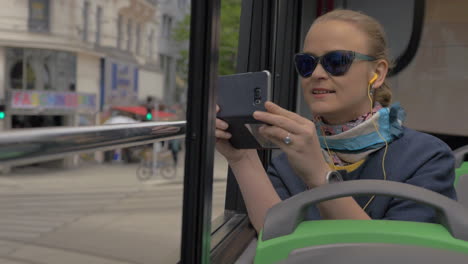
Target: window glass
{"x": 129, "y": 34}
{"x": 98, "y": 24}
{"x": 38, "y": 20}
{"x": 120, "y": 205}
{"x": 119, "y": 31}
{"x": 151, "y": 44}
{"x": 86, "y": 20}
{"x": 43, "y": 69}
{"x": 228, "y": 48}
{"x": 398, "y": 32}
{"x": 137, "y": 37}
{"x": 435, "y": 72}
{"x": 432, "y": 89}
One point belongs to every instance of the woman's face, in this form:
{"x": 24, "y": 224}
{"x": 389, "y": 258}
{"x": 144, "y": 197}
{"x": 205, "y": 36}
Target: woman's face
{"x": 348, "y": 98}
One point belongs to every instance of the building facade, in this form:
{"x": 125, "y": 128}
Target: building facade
{"x": 169, "y": 14}
{"x": 63, "y": 62}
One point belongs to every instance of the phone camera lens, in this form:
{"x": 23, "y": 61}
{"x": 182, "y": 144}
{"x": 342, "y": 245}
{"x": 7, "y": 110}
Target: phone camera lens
{"x": 257, "y": 92}
{"x": 257, "y": 101}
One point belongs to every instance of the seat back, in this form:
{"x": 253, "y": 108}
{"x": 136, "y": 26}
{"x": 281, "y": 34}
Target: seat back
{"x": 461, "y": 183}
{"x": 461, "y": 174}
{"x": 286, "y": 234}
{"x": 461, "y": 155}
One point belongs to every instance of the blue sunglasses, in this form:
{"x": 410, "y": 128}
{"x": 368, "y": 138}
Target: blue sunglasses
{"x": 336, "y": 62}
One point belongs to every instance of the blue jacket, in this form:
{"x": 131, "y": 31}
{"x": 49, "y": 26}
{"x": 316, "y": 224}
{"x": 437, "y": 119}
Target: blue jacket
{"x": 415, "y": 158}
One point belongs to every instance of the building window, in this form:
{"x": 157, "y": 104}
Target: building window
{"x": 85, "y": 20}
{"x": 119, "y": 31}
{"x": 150, "y": 44}
{"x": 39, "y": 69}
{"x": 98, "y": 24}
{"x": 166, "y": 26}
{"x": 169, "y": 27}
{"x": 129, "y": 35}
{"x": 165, "y": 64}
{"x": 138, "y": 36}
{"x": 31, "y": 70}
{"x": 153, "y": 2}
{"x": 162, "y": 61}
{"x": 167, "y": 71}
{"x": 39, "y": 15}
{"x": 181, "y": 4}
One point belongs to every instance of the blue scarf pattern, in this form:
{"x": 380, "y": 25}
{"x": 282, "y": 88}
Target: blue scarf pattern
{"x": 355, "y": 144}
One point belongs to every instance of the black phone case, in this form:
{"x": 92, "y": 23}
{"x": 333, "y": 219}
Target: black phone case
{"x": 239, "y": 95}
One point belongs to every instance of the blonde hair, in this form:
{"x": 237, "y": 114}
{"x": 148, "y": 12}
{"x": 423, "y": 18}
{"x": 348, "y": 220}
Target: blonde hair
{"x": 377, "y": 43}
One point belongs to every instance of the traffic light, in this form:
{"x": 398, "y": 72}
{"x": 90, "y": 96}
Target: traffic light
{"x": 2, "y": 112}
{"x": 149, "y": 114}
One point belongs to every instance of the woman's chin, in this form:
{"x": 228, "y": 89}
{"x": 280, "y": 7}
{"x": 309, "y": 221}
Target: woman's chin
{"x": 321, "y": 109}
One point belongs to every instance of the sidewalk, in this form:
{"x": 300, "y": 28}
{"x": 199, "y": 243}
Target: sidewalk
{"x": 95, "y": 176}
{"x": 94, "y": 214}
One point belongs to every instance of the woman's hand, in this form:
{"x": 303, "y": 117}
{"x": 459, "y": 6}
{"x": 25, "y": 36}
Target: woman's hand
{"x": 223, "y": 145}
{"x": 304, "y": 151}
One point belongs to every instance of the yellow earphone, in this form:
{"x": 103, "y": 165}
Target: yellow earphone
{"x": 380, "y": 135}
{"x": 373, "y": 78}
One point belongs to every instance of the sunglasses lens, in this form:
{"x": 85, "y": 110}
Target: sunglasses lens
{"x": 305, "y": 64}
{"x": 338, "y": 62}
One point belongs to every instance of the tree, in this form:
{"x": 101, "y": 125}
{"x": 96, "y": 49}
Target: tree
{"x": 229, "y": 38}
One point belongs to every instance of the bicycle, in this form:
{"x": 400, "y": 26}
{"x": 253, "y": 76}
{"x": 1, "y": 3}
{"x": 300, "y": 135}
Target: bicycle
{"x": 164, "y": 166}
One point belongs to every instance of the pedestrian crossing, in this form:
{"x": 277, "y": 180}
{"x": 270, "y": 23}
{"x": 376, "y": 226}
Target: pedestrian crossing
{"x": 28, "y": 216}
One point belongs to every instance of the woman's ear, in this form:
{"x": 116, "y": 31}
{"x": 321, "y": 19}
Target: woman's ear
{"x": 381, "y": 69}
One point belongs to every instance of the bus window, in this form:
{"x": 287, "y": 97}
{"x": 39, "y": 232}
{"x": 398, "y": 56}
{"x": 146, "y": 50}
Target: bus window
{"x": 428, "y": 47}
{"x": 403, "y": 34}
{"x": 77, "y": 65}
{"x": 399, "y": 31}
{"x": 427, "y": 44}
{"x": 433, "y": 87}
{"x": 227, "y": 63}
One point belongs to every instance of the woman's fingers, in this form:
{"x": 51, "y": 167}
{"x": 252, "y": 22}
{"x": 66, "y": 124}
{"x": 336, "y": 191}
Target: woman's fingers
{"x": 220, "y": 127}
{"x": 278, "y": 110}
{"x": 220, "y": 124}
{"x": 222, "y": 134}
{"x": 279, "y": 121}
{"x": 276, "y": 135}
{"x": 285, "y": 119}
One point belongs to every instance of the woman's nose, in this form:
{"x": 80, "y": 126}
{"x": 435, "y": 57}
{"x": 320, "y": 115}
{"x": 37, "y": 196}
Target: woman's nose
{"x": 319, "y": 72}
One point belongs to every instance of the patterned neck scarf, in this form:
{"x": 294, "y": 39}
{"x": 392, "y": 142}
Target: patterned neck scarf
{"x": 356, "y": 139}
{"x": 330, "y": 130}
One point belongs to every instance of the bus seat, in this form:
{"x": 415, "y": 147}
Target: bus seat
{"x": 461, "y": 174}
{"x": 287, "y": 238}
{"x": 461, "y": 155}
{"x": 462, "y": 188}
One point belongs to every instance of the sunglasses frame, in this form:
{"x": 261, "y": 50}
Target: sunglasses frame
{"x": 355, "y": 56}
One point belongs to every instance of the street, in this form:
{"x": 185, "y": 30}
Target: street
{"x": 99, "y": 213}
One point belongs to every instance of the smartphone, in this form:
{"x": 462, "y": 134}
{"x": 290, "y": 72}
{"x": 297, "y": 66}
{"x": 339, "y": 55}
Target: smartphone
{"x": 239, "y": 96}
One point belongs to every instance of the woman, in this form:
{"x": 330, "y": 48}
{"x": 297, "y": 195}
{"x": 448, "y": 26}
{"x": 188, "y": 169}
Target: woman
{"x": 355, "y": 130}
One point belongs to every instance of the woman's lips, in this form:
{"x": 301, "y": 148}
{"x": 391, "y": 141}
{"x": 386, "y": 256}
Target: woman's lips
{"x": 321, "y": 92}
